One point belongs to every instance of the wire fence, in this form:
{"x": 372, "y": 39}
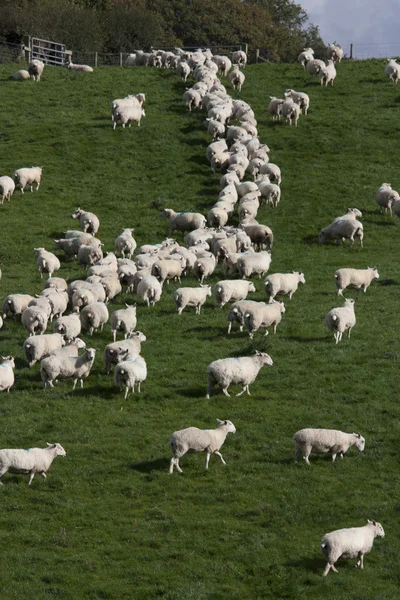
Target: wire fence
{"x": 11, "y": 52}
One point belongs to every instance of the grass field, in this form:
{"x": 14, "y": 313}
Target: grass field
{"x": 110, "y": 522}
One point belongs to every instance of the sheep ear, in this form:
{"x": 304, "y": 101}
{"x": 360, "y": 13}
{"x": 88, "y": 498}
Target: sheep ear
{"x": 219, "y": 421}
{"x": 368, "y": 521}
{"x": 49, "y": 445}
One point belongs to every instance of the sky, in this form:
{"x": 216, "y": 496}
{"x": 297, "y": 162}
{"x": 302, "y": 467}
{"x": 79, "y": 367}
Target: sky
{"x": 371, "y": 25}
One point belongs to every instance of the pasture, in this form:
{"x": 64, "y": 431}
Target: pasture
{"x": 110, "y": 522}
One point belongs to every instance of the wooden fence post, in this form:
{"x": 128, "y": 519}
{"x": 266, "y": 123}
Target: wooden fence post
{"x": 257, "y": 54}
{"x": 246, "y": 48}
{"x": 95, "y": 59}
{"x": 120, "y": 59}
{"x": 351, "y": 50}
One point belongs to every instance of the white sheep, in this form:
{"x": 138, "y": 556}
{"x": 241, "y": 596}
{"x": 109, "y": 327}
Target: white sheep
{"x": 125, "y": 243}
{"x": 325, "y": 441}
{"x": 273, "y": 172}
{"x": 89, "y": 254}
{"x": 356, "y": 278}
{"x": 76, "y": 367}
{"x": 192, "y": 99}
{"x": 130, "y": 100}
{"x": 58, "y": 301}
{"x": 21, "y": 75}
{"x": 123, "y": 320}
{"x": 7, "y": 188}
{"x": 127, "y": 114}
{"x": 290, "y": 111}
{"x": 204, "y": 267}
{"x": 305, "y": 56}
{"x": 130, "y": 372}
{"x": 38, "y": 347}
{"x": 185, "y": 221}
{"x": 35, "y": 319}
{"x": 87, "y": 220}
{"x": 261, "y": 236}
{"x": 239, "y": 57}
{"x": 341, "y": 229}
{"x": 386, "y": 197}
{"x": 167, "y": 269}
{"x": 392, "y": 70}
{"x": 232, "y": 290}
{"x": 236, "y": 78}
{"x": 327, "y": 74}
{"x": 46, "y": 262}
{"x": 314, "y": 66}
{"x": 28, "y": 176}
{"x": 35, "y": 69}
{"x": 341, "y": 319}
{"x": 94, "y": 316}
{"x": 129, "y": 348}
{"x": 242, "y": 370}
{"x": 301, "y": 98}
{"x": 263, "y": 315}
{"x": 283, "y": 283}
{"x": 275, "y": 107}
{"x": 251, "y": 263}
{"x": 352, "y": 213}
{"x": 69, "y": 326}
{"x": 7, "y": 366}
{"x": 183, "y": 70}
{"x": 56, "y": 283}
{"x": 189, "y": 296}
{"x": 149, "y": 289}
{"x": 82, "y": 297}
{"x": 352, "y": 542}
{"x": 29, "y": 461}
{"x": 16, "y": 304}
{"x": 335, "y": 52}
{"x": 86, "y": 68}
{"x": 193, "y": 439}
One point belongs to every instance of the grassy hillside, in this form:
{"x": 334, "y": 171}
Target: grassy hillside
{"x": 110, "y": 522}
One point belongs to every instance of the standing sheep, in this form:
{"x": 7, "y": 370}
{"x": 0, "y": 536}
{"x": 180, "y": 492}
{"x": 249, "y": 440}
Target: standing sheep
{"x": 282, "y": 283}
{"x": 38, "y": 347}
{"x": 236, "y": 78}
{"x": 342, "y": 229}
{"x": 35, "y": 69}
{"x": 252, "y": 263}
{"x": 184, "y": 221}
{"x": 7, "y": 367}
{"x": 263, "y": 315}
{"x": 7, "y": 188}
{"x": 87, "y": 220}
{"x": 149, "y": 289}
{"x": 94, "y": 316}
{"x": 47, "y": 262}
{"x": 243, "y": 371}
{"x": 68, "y": 326}
{"x": 392, "y": 70}
{"x": 30, "y": 460}
{"x": 129, "y": 348}
{"x": 191, "y": 297}
{"x": 130, "y": 372}
{"x": 386, "y": 197}
{"x": 28, "y": 176}
{"x": 127, "y": 114}
{"x": 341, "y": 319}
{"x": 125, "y": 243}
{"x": 325, "y": 441}
{"x": 76, "y": 367}
{"x": 16, "y": 304}
{"x": 232, "y": 290}
{"x": 357, "y": 278}
{"x": 123, "y": 320}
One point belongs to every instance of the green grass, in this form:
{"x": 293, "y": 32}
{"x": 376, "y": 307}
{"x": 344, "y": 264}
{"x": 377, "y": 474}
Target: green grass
{"x": 110, "y": 522}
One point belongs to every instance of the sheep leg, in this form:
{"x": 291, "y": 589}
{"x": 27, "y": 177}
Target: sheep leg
{"x": 31, "y": 477}
{"x": 114, "y": 332}
{"x": 43, "y": 474}
{"x": 81, "y": 380}
{"x": 220, "y": 455}
{"x": 126, "y": 392}
{"x": 327, "y": 569}
{"x": 171, "y": 465}
{"x": 225, "y": 391}
{"x": 333, "y": 457}
{"x": 360, "y": 562}
{"x": 243, "y": 390}
{"x": 74, "y": 386}
{"x": 208, "y": 458}
{"x": 305, "y": 457}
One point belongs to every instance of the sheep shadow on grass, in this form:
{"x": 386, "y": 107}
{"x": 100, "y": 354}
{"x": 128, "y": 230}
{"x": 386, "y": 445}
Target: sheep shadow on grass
{"x": 159, "y": 464}
{"x": 314, "y": 565}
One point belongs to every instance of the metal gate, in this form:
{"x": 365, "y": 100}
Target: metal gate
{"x": 51, "y": 53}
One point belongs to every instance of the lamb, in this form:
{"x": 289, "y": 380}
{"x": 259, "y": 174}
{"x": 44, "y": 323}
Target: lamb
{"x": 341, "y": 319}
{"x": 7, "y": 367}
{"x": 263, "y": 315}
{"x": 335, "y": 52}
{"x": 123, "y": 320}
{"x": 85, "y": 68}
{"x": 204, "y": 267}
{"x": 386, "y": 197}
{"x": 28, "y": 176}
{"x": 275, "y": 107}
{"x": 193, "y": 439}
{"x": 7, "y": 188}
{"x": 236, "y": 78}
{"x": 164, "y": 270}
{"x": 149, "y": 289}
{"x": 325, "y": 441}
{"x": 185, "y": 221}
{"x": 243, "y": 370}
{"x": 21, "y": 75}
{"x": 392, "y": 70}
{"x": 352, "y": 542}
{"x": 30, "y": 460}
{"x": 127, "y": 114}
{"x": 232, "y": 290}
{"x": 38, "y": 347}
{"x": 340, "y": 229}
{"x": 125, "y": 243}
{"x": 305, "y": 56}
{"x": 357, "y": 278}
{"x": 87, "y": 220}
{"x": 94, "y": 316}
{"x": 301, "y": 98}
{"x": 77, "y": 367}
{"x": 47, "y": 262}
{"x": 251, "y": 263}
{"x": 190, "y": 296}
{"x": 290, "y": 111}
{"x": 130, "y": 372}
{"x": 35, "y": 319}
{"x": 129, "y": 348}
{"x": 69, "y": 327}
{"x": 16, "y": 304}
{"x": 282, "y": 283}
{"x": 35, "y": 69}
{"x": 328, "y": 74}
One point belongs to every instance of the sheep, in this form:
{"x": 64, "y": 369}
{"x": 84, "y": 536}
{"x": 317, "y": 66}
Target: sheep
{"x": 21, "y": 75}
{"x": 70, "y": 246}
{"x": 352, "y": 213}
{"x": 185, "y": 221}
{"x": 30, "y": 460}
{"x": 392, "y": 70}
{"x": 305, "y": 56}
{"x": 217, "y": 217}
{"x": 7, "y": 188}
{"x": 87, "y": 220}
{"x": 72, "y": 67}
{"x": 275, "y": 108}
{"x": 58, "y": 301}
{"x": 77, "y": 367}
{"x": 204, "y": 267}
{"x": 131, "y": 100}
{"x": 236, "y": 78}
{"x": 242, "y": 370}
{"x": 190, "y": 296}
{"x": 356, "y": 278}
{"x": 94, "y": 316}
{"x": 43, "y": 303}
{"x": 71, "y": 349}
{"x": 232, "y": 290}
{"x": 38, "y": 347}
{"x": 123, "y": 320}
{"x": 301, "y": 98}
{"x": 125, "y": 243}
{"x": 215, "y": 128}
{"x": 325, "y": 441}
{"x": 269, "y": 191}
{"x": 82, "y": 297}
{"x": 34, "y": 319}
{"x": 129, "y": 348}
{"x": 69, "y": 326}
{"x": 314, "y": 66}
{"x": 35, "y": 69}
{"x": 46, "y": 262}
{"x": 56, "y": 283}
{"x": 328, "y": 74}
{"x": 192, "y": 99}
{"x": 127, "y": 114}
{"x": 263, "y": 315}
{"x": 183, "y": 70}
{"x": 260, "y": 235}
{"x": 282, "y": 283}
{"x": 352, "y": 542}
{"x": 239, "y": 57}
{"x": 193, "y": 439}
{"x": 89, "y": 255}
{"x": 7, "y": 367}
{"x": 340, "y": 229}
{"x": 386, "y": 197}
{"x": 16, "y": 304}
{"x": 335, "y": 52}
{"x": 251, "y": 263}
{"x": 273, "y": 172}
{"x": 164, "y": 270}
{"x": 130, "y": 372}
{"x": 28, "y": 176}
{"x": 149, "y": 289}
{"x": 290, "y": 111}
{"x": 341, "y": 319}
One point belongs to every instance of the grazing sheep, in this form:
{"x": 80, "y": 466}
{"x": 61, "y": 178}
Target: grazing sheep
{"x": 335, "y": 52}
{"x": 275, "y": 108}
{"x": 38, "y": 347}
{"x": 328, "y": 74}
{"x": 193, "y": 439}
{"x": 129, "y": 348}
{"x": 185, "y": 221}
{"x": 35, "y": 69}
{"x": 125, "y": 243}
{"x": 243, "y": 371}
{"x": 130, "y": 372}
{"x": 269, "y": 191}
{"x": 94, "y": 316}
{"x": 305, "y": 56}
{"x": 69, "y": 327}
{"x": 325, "y": 441}
{"x": 46, "y": 262}
{"x": 341, "y": 229}
{"x": 356, "y": 278}
{"x": 190, "y": 296}
{"x": 16, "y": 304}
{"x": 87, "y": 220}
{"x": 7, "y": 188}
{"x": 392, "y": 70}
{"x": 7, "y": 367}
{"x": 149, "y": 289}
{"x": 127, "y": 114}
{"x": 85, "y": 68}
{"x": 352, "y": 542}
{"x": 232, "y": 290}
{"x": 76, "y": 367}
{"x": 341, "y": 319}
{"x": 35, "y": 319}
{"x": 251, "y": 263}
{"x": 301, "y": 98}
{"x": 29, "y": 461}
{"x": 28, "y": 176}
{"x": 263, "y": 315}
{"x": 123, "y": 320}
{"x": 282, "y": 283}
{"x": 386, "y": 197}
{"x": 21, "y": 75}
